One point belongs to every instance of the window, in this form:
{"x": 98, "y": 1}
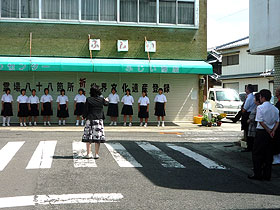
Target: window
{"x": 211, "y": 96}
{"x": 29, "y": 8}
{"x": 9, "y": 8}
{"x": 255, "y": 88}
{"x": 167, "y": 11}
{"x": 108, "y": 10}
{"x": 50, "y": 9}
{"x": 230, "y": 60}
{"x": 185, "y": 12}
{"x": 148, "y": 11}
{"x": 90, "y": 9}
{"x": 128, "y": 10}
{"x": 70, "y": 9}
{"x": 227, "y": 95}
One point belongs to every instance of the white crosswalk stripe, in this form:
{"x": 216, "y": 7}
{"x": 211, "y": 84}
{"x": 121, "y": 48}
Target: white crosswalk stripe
{"x": 43, "y": 155}
{"x": 159, "y": 155}
{"x": 8, "y": 152}
{"x": 79, "y": 151}
{"x": 197, "y": 157}
{"x": 121, "y": 155}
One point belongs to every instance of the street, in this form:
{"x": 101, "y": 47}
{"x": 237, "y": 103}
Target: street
{"x": 178, "y": 167}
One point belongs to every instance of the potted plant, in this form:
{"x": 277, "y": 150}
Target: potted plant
{"x": 205, "y": 120}
{"x": 219, "y": 119}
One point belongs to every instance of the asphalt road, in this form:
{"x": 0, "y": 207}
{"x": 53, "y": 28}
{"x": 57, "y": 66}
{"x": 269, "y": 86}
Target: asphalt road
{"x": 175, "y": 171}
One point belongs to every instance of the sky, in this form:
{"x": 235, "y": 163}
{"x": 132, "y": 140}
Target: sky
{"x": 227, "y": 20}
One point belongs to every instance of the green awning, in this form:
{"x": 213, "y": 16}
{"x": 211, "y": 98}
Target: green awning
{"x": 38, "y": 64}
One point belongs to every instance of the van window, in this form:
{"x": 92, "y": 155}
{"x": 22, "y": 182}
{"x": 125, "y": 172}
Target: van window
{"x": 211, "y": 96}
{"x": 227, "y": 95}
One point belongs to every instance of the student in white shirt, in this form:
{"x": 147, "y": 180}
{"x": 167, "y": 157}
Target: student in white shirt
{"x": 23, "y": 111}
{"x": 160, "y": 104}
{"x": 143, "y": 108}
{"x": 46, "y": 107}
{"x": 79, "y": 106}
{"x": 33, "y": 105}
{"x": 127, "y": 109}
{"x": 7, "y": 108}
{"x": 62, "y": 107}
{"x": 268, "y": 122}
{"x": 113, "y": 109}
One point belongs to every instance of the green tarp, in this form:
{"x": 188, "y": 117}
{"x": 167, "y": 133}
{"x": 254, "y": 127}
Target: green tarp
{"x": 104, "y": 65}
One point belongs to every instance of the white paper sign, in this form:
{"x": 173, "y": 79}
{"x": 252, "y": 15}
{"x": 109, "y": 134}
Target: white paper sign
{"x": 94, "y": 44}
{"x": 150, "y": 46}
{"x": 122, "y": 45}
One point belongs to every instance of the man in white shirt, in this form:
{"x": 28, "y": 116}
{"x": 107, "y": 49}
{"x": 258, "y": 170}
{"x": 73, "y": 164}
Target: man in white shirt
{"x": 268, "y": 122}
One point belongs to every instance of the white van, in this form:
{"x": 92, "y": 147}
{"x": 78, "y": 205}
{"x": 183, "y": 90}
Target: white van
{"x": 223, "y": 100}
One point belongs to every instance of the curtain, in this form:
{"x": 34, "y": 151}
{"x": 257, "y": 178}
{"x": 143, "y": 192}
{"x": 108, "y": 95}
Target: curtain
{"x": 70, "y": 9}
{"x": 9, "y": 8}
{"x": 30, "y": 8}
{"x": 108, "y": 10}
{"x": 90, "y": 9}
{"x": 185, "y": 12}
{"x": 167, "y": 11}
{"x": 148, "y": 11}
{"x": 128, "y": 10}
{"x": 50, "y": 9}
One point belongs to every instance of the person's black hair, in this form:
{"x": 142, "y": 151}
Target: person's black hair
{"x": 33, "y": 90}
{"x": 7, "y": 89}
{"x": 62, "y": 90}
{"x": 265, "y": 94}
{"x": 81, "y": 89}
{"x": 145, "y": 91}
{"x": 250, "y": 88}
{"x": 160, "y": 89}
{"x": 46, "y": 89}
{"x": 128, "y": 91}
{"x": 95, "y": 91}
{"x": 113, "y": 89}
{"x": 22, "y": 90}
{"x": 257, "y": 97}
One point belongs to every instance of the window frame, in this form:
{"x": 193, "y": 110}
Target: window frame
{"x": 112, "y": 23}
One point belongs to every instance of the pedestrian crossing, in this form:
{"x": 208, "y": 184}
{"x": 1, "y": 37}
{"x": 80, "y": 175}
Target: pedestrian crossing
{"x": 43, "y": 156}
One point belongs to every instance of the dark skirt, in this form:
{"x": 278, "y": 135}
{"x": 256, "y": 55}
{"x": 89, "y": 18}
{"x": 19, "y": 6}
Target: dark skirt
{"x": 143, "y": 112}
{"x": 7, "y": 110}
{"x": 63, "y": 112}
{"x": 276, "y": 143}
{"x": 127, "y": 110}
{"x": 47, "y": 109}
{"x": 23, "y": 110}
{"x": 94, "y": 131}
{"x": 80, "y": 107}
{"x": 160, "y": 112}
{"x": 34, "y": 111}
{"x": 113, "y": 110}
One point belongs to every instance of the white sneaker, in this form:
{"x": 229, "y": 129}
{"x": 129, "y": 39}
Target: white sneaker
{"x": 145, "y": 125}
{"x": 3, "y": 125}
{"x": 77, "y": 123}
{"x": 96, "y": 156}
{"x": 45, "y": 123}
{"x": 30, "y": 123}
{"x": 24, "y": 124}
{"x": 141, "y": 124}
{"x": 163, "y": 125}
{"x": 158, "y": 125}
{"x": 82, "y": 123}
{"x": 49, "y": 124}
{"x": 124, "y": 124}
{"x": 89, "y": 156}
{"x": 115, "y": 123}
{"x": 59, "y": 122}
{"x": 35, "y": 123}
{"x": 130, "y": 124}
{"x": 8, "y": 124}
{"x": 111, "y": 123}
{"x": 20, "y": 124}
{"x": 64, "y": 123}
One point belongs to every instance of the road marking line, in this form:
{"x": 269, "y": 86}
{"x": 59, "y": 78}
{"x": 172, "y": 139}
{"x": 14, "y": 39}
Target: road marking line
{"x": 43, "y": 155}
{"x": 197, "y": 157}
{"x": 159, "y": 155}
{"x": 8, "y": 152}
{"x": 79, "y": 152}
{"x": 33, "y": 200}
{"x": 122, "y": 156}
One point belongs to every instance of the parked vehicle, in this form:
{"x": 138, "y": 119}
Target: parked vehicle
{"x": 242, "y": 96}
{"x": 223, "y": 100}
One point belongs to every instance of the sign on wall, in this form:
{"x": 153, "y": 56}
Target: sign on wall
{"x": 94, "y": 44}
{"x": 150, "y": 46}
{"x": 122, "y": 45}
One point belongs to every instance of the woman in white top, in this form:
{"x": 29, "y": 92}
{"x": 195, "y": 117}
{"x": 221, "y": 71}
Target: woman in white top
{"x": 7, "y": 108}
{"x": 160, "y": 105}
{"x": 127, "y": 109}
{"x": 46, "y": 108}
{"x": 62, "y": 107}
{"x": 79, "y": 106}
{"x": 113, "y": 109}
{"x": 23, "y": 111}
{"x": 33, "y": 105}
{"x": 143, "y": 108}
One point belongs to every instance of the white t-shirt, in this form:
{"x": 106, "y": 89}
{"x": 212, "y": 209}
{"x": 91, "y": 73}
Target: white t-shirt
{"x": 268, "y": 114}
{"x": 80, "y": 98}
{"x": 46, "y": 98}
{"x": 160, "y": 98}
{"x": 127, "y": 100}
{"x": 7, "y": 98}
{"x": 22, "y": 99}
{"x": 33, "y": 99}
{"x": 62, "y": 99}
{"x": 144, "y": 101}
{"x": 114, "y": 98}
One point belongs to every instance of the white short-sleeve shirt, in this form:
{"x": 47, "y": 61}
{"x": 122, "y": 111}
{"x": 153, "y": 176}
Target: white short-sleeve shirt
{"x": 62, "y": 99}
{"x": 46, "y": 98}
{"x": 268, "y": 114}
{"x": 80, "y": 98}
{"x": 114, "y": 98}
{"x": 160, "y": 98}
{"x": 22, "y": 99}
{"x": 33, "y": 99}
{"x": 7, "y": 98}
{"x": 144, "y": 101}
{"x": 127, "y": 100}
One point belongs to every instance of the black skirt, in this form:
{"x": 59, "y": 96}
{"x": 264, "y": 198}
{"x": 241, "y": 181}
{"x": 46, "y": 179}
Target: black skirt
{"x": 63, "y": 112}
{"x": 23, "y": 110}
{"x": 34, "y": 111}
{"x": 127, "y": 110}
{"x": 47, "y": 109}
{"x": 80, "y": 107}
{"x": 113, "y": 110}
{"x": 143, "y": 112}
{"x": 7, "y": 110}
{"x": 160, "y": 112}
